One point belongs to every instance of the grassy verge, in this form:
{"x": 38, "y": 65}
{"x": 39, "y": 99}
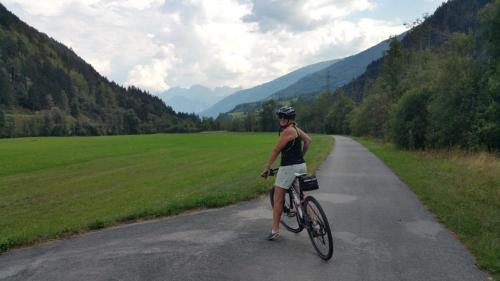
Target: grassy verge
{"x": 53, "y": 187}
{"x": 462, "y": 189}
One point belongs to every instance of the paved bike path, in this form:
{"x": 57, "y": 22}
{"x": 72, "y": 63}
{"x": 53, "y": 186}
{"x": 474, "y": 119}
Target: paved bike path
{"x": 382, "y": 232}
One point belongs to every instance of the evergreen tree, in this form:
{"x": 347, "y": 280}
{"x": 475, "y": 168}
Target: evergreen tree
{"x": 490, "y": 25}
{"x": 61, "y": 100}
{"x": 489, "y": 126}
{"x": 394, "y": 62}
{"x": 208, "y": 124}
{"x": 267, "y": 116}
{"x": 131, "y": 122}
{"x": 74, "y": 108}
{"x": 6, "y": 89}
{"x": 250, "y": 122}
{"x": 2, "y": 122}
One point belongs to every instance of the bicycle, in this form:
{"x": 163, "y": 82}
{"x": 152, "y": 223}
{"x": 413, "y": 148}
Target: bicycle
{"x": 300, "y": 211}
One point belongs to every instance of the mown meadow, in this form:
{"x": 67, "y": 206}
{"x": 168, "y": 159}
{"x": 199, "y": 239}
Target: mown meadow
{"x": 55, "y": 186}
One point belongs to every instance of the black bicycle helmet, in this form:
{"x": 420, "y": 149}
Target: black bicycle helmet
{"x": 286, "y": 112}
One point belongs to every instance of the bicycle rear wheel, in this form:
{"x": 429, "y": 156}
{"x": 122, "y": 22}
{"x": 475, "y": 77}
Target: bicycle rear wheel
{"x": 318, "y": 228}
{"x": 289, "y": 218}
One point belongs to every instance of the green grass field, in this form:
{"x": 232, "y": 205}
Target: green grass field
{"x": 55, "y": 186}
{"x": 462, "y": 189}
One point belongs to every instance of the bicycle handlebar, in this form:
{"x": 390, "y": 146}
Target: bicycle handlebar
{"x": 273, "y": 172}
{"x": 270, "y": 173}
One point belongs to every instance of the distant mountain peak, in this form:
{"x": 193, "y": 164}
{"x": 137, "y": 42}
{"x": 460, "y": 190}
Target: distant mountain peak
{"x": 195, "y": 98}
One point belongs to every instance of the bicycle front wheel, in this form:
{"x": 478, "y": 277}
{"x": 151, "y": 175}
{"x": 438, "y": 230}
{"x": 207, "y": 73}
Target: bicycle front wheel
{"x": 289, "y": 217}
{"x": 318, "y": 228}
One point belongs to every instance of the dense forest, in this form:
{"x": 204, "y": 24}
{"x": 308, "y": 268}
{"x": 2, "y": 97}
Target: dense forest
{"x": 439, "y": 87}
{"x": 46, "y": 89}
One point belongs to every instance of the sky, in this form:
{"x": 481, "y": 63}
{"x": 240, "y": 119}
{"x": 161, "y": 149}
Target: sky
{"x": 159, "y": 44}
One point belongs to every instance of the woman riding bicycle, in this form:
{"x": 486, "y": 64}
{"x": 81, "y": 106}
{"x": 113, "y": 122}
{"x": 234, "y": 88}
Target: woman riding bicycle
{"x": 292, "y": 161}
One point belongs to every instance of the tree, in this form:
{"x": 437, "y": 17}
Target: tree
{"x": 2, "y": 122}
{"x": 371, "y": 117}
{"x": 131, "y": 122}
{"x": 490, "y": 25}
{"x": 60, "y": 127}
{"x": 267, "y": 116}
{"x": 453, "y": 107}
{"x": 251, "y": 122}
{"x": 10, "y": 127}
{"x": 237, "y": 124}
{"x": 208, "y": 124}
{"x": 489, "y": 119}
{"x": 61, "y": 100}
{"x": 6, "y": 90}
{"x": 395, "y": 62}
{"x": 75, "y": 107}
{"x": 337, "y": 118}
{"x": 408, "y": 124}
{"x": 356, "y": 126}
{"x": 48, "y": 124}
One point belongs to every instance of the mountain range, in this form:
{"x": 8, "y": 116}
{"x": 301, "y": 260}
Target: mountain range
{"x": 264, "y": 90}
{"x": 195, "y": 98}
{"x": 336, "y": 75}
{"x": 329, "y": 78}
{"x": 311, "y": 79}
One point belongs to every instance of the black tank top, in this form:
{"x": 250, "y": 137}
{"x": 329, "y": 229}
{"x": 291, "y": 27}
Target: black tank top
{"x": 292, "y": 152}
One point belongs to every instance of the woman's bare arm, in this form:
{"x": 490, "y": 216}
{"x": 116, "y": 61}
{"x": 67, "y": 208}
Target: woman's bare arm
{"x": 306, "y": 139}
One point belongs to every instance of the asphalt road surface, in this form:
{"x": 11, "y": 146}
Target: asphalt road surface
{"x": 381, "y": 232}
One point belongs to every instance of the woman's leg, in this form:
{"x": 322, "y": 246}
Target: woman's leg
{"x": 278, "y": 207}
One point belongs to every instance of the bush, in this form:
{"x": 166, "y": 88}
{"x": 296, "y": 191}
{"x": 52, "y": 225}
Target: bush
{"x": 408, "y": 123}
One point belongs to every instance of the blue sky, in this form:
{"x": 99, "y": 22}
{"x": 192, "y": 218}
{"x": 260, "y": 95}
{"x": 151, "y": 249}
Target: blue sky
{"x": 158, "y": 44}
{"x": 402, "y": 10}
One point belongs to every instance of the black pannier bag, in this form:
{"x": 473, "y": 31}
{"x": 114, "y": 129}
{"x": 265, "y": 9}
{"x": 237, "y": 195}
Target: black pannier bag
{"x": 308, "y": 183}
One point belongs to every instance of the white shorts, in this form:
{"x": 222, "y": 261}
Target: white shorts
{"x": 286, "y": 174}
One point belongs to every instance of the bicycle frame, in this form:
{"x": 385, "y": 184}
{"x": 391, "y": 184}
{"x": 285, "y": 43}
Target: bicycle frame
{"x": 298, "y": 200}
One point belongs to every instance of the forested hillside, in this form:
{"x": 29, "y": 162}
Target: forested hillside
{"x": 439, "y": 87}
{"x": 46, "y": 89}
{"x": 336, "y": 75}
{"x": 428, "y": 33}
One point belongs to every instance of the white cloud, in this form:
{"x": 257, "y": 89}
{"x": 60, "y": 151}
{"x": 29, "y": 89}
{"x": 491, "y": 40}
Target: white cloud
{"x": 48, "y": 8}
{"x": 156, "y": 44}
{"x": 103, "y": 66}
{"x": 300, "y": 15}
{"x": 136, "y": 4}
{"x": 153, "y": 76}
